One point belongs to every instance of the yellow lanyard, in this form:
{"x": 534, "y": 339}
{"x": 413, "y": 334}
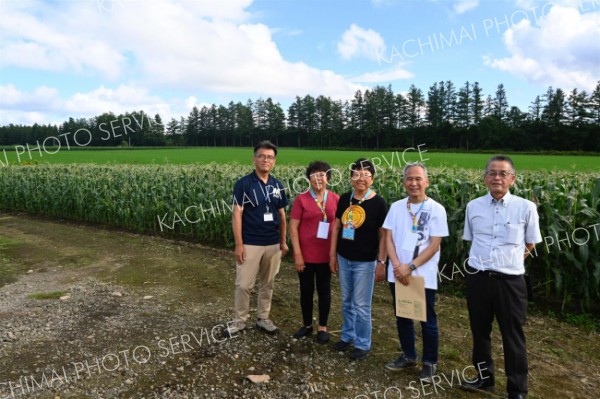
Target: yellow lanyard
{"x": 414, "y": 216}
{"x": 360, "y": 201}
{"x": 321, "y": 205}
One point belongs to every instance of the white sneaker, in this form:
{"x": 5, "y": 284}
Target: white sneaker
{"x": 267, "y": 325}
{"x": 233, "y": 328}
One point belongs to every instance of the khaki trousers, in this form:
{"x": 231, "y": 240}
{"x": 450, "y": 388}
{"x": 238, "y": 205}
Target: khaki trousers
{"x": 257, "y": 263}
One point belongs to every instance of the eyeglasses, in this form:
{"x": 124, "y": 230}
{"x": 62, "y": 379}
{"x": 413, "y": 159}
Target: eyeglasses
{"x": 262, "y": 157}
{"x": 502, "y": 174}
{"x": 356, "y": 176}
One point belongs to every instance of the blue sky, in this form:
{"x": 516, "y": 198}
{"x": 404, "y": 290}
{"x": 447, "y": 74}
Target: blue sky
{"x": 81, "y": 58}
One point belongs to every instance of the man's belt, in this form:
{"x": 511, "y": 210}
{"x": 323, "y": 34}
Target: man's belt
{"x": 493, "y": 274}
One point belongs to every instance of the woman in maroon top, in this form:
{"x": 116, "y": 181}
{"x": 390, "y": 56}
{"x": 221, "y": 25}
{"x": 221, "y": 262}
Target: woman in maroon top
{"x": 310, "y": 229}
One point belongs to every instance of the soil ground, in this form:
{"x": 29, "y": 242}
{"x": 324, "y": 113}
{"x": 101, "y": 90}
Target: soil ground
{"x": 87, "y": 312}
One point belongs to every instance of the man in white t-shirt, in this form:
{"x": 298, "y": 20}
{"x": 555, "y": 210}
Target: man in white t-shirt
{"x": 416, "y": 225}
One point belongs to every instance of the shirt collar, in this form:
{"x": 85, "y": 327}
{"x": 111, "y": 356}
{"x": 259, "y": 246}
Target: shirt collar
{"x": 504, "y": 200}
{"x": 255, "y": 177}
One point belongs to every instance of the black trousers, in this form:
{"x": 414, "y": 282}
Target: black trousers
{"x": 505, "y": 299}
{"x": 319, "y": 273}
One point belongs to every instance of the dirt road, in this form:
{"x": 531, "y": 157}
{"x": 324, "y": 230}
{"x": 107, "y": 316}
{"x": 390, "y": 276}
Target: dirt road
{"x": 87, "y": 312}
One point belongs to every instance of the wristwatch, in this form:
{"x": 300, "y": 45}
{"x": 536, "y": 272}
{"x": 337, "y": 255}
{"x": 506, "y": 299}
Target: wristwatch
{"x": 412, "y": 266}
{"x": 380, "y": 261}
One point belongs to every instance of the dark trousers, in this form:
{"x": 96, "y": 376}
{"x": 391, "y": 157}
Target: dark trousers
{"x": 429, "y": 329}
{"x": 506, "y": 299}
{"x": 319, "y": 273}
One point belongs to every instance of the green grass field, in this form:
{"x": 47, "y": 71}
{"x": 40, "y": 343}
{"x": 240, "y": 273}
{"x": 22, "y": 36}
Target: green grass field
{"x": 293, "y": 156}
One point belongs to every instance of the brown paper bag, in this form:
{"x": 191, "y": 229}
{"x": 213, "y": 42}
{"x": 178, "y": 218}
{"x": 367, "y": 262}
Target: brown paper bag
{"x": 410, "y": 299}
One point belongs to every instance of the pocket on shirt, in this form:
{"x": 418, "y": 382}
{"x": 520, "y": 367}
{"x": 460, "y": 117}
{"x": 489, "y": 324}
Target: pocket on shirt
{"x": 515, "y": 234}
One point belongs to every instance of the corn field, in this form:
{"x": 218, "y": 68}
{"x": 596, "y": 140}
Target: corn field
{"x": 194, "y": 202}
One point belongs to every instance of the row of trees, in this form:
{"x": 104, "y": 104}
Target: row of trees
{"x": 446, "y": 117}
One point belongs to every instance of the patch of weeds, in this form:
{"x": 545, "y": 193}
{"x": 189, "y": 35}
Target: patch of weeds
{"x": 451, "y": 354}
{"x": 584, "y": 320}
{"x": 47, "y": 295}
{"x": 6, "y": 242}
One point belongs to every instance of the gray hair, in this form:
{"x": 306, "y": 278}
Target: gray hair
{"x": 500, "y": 158}
{"x": 412, "y": 165}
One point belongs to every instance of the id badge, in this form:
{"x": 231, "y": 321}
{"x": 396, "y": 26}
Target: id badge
{"x": 323, "y": 230}
{"x": 348, "y": 232}
{"x": 268, "y": 217}
{"x": 410, "y": 242}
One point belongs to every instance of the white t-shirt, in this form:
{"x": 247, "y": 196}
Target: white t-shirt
{"x": 432, "y": 222}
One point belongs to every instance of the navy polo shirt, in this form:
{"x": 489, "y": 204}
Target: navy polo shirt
{"x": 258, "y": 198}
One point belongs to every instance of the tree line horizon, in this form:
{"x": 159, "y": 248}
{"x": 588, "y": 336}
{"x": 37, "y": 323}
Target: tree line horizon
{"x": 446, "y": 118}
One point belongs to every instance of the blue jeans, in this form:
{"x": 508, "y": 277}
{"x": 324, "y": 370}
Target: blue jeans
{"x": 356, "y": 285}
{"x": 406, "y": 330}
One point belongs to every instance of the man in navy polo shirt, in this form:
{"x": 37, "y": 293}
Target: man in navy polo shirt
{"x": 259, "y": 229}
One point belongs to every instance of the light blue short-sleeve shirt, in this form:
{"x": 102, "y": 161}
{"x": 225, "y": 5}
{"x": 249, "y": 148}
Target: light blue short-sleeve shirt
{"x": 499, "y": 230}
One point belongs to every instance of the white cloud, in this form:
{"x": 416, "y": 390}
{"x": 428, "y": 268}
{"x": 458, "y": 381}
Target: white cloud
{"x": 359, "y": 42}
{"x": 11, "y": 97}
{"x": 397, "y": 73}
{"x": 465, "y": 5}
{"x": 244, "y": 60}
{"x": 32, "y": 43}
{"x": 562, "y": 50}
{"x": 177, "y": 45}
{"x": 13, "y": 102}
{"x": 232, "y": 10}
{"x": 123, "y": 98}
{"x": 27, "y": 118}
{"x": 528, "y": 4}
{"x": 45, "y": 105}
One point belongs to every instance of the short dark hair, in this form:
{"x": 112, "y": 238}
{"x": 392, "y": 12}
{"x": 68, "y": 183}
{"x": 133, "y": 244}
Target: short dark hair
{"x": 500, "y": 157}
{"x": 318, "y": 166}
{"x": 265, "y": 144}
{"x": 362, "y": 163}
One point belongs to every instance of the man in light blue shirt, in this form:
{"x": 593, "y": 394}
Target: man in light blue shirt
{"x": 503, "y": 229}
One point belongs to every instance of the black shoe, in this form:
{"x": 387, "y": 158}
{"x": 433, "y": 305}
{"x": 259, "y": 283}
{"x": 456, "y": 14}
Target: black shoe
{"x": 341, "y": 346}
{"x": 401, "y": 363}
{"x": 479, "y": 384}
{"x": 428, "y": 371}
{"x": 516, "y": 396}
{"x": 358, "y": 354}
{"x": 322, "y": 337}
{"x": 303, "y": 332}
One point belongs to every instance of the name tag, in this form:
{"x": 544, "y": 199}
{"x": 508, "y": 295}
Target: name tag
{"x": 323, "y": 230}
{"x": 268, "y": 217}
{"x": 348, "y": 231}
{"x": 410, "y": 242}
